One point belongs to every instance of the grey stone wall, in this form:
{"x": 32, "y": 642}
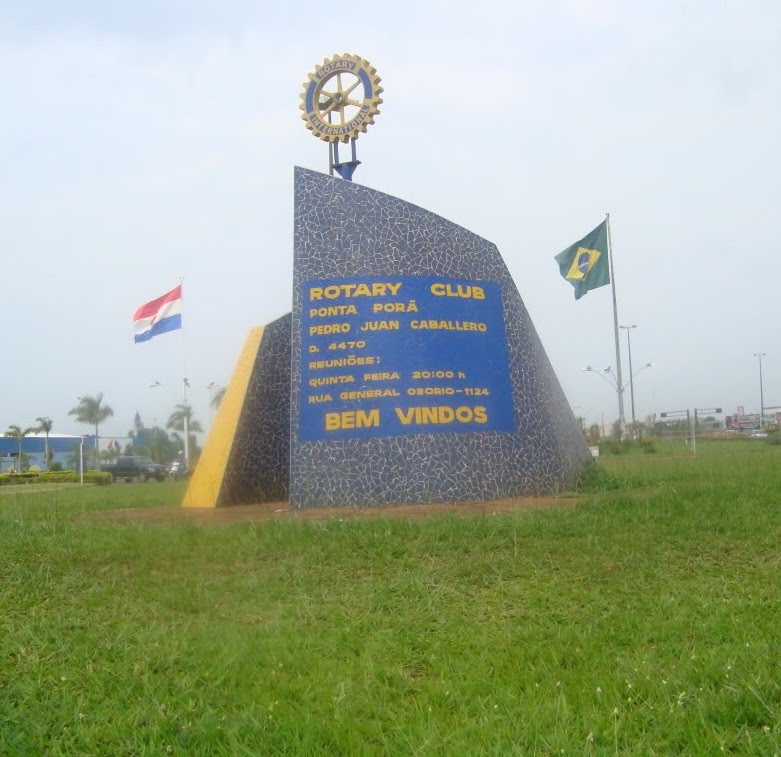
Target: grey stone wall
{"x": 343, "y": 229}
{"x": 259, "y": 462}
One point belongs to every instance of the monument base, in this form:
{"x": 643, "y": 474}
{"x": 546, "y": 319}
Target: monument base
{"x": 246, "y": 457}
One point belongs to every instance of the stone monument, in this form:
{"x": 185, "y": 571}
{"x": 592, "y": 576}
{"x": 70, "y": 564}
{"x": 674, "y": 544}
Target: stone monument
{"x": 409, "y": 370}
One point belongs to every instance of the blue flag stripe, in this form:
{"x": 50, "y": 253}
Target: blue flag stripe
{"x": 172, "y": 323}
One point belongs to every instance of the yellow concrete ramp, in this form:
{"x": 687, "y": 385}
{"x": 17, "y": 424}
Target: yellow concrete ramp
{"x": 207, "y": 480}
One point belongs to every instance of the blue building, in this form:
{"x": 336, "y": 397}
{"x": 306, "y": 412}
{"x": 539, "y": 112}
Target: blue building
{"x": 64, "y": 449}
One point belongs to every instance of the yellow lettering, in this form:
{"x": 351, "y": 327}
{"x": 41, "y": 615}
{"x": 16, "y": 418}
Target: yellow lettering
{"x": 329, "y": 328}
{"x": 464, "y": 414}
{"x": 464, "y": 291}
{"x": 429, "y": 415}
{"x": 335, "y": 291}
{"x": 440, "y": 414}
{"x": 367, "y": 420}
{"x": 405, "y": 417}
{"x": 351, "y": 419}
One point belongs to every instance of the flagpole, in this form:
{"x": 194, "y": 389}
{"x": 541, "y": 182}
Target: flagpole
{"x": 620, "y": 384}
{"x": 186, "y": 420}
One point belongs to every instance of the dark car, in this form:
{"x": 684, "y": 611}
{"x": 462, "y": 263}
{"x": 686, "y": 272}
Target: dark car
{"x": 129, "y": 467}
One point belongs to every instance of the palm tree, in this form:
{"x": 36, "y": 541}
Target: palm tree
{"x": 217, "y": 398}
{"x": 45, "y": 424}
{"x": 16, "y": 432}
{"x": 176, "y": 420}
{"x": 91, "y": 410}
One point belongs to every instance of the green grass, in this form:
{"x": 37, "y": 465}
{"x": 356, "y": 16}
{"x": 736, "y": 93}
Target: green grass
{"x": 647, "y": 619}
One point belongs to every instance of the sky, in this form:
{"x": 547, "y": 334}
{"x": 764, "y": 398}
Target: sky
{"x": 151, "y": 142}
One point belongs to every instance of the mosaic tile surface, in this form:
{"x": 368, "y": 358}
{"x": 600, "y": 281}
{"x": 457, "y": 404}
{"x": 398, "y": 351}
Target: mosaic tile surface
{"x": 258, "y": 466}
{"x": 345, "y": 230}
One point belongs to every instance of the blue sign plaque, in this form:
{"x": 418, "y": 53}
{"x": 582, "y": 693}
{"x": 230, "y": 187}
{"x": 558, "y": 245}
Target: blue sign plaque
{"x": 386, "y": 356}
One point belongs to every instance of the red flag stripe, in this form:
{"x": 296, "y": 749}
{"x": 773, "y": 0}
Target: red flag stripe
{"x": 150, "y": 308}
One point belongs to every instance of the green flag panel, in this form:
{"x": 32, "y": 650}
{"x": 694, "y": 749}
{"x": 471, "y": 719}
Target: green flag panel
{"x": 585, "y": 263}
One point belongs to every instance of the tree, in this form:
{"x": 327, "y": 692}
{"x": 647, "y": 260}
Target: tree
{"x": 45, "y": 424}
{"x": 92, "y": 411}
{"x": 176, "y": 420}
{"x": 635, "y": 429}
{"x": 217, "y": 398}
{"x": 153, "y": 442}
{"x": 16, "y": 432}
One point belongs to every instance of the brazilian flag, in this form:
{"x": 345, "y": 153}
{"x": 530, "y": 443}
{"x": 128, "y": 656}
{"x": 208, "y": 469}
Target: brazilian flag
{"x": 585, "y": 263}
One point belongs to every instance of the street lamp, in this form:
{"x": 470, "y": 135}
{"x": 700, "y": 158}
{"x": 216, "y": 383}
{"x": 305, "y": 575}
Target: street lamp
{"x": 631, "y": 382}
{"x": 603, "y": 374}
{"x": 212, "y": 387}
{"x": 607, "y": 374}
{"x": 760, "y": 355}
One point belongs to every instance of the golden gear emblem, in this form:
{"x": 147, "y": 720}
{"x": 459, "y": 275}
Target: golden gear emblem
{"x": 341, "y": 98}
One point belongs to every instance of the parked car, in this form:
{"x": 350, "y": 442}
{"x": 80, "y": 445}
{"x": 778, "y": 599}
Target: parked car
{"x": 129, "y": 467}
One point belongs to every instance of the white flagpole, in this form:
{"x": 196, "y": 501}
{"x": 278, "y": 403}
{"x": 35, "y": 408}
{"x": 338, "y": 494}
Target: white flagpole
{"x": 620, "y": 385}
{"x": 186, "y": 423}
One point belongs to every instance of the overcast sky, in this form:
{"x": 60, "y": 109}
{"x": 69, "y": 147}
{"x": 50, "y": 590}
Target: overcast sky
{"x": 144, "y": 142}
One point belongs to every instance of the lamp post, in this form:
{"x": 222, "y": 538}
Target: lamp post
{"x": 212, "y": 387}
{"x": 606, "y": 374}
{"x": 760, "y": 355}
{"x": 81, "y": 460}
{"x": 603, "y": 374}
{"x": 186, "y": 422}
{"x": 631, "y": 378}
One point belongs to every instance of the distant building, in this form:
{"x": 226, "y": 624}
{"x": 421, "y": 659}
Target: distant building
{"x": 64, "y": 450}
{"x": 741, "y": 422}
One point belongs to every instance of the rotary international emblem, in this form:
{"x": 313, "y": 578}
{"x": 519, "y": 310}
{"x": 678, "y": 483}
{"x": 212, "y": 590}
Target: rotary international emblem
{"x": 341, "y": 98}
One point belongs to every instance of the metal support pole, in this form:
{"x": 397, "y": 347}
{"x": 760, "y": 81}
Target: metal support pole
{"x": 691, "y": 431}
{"x": 620, "y": 386}
{"x": 760, "y": 355}
{"x": 333, "y": 154}
{"x": 631, "y": 372}
{"x": 186, "y": 425}
{"x": 631, "y": 376}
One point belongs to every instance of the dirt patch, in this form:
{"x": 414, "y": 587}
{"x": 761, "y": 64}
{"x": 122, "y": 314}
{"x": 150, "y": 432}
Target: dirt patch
{"x": 282, "y": 511}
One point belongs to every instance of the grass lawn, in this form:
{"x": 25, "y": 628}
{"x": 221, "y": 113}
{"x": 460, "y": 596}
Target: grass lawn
{"x": 645, "y": 619}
